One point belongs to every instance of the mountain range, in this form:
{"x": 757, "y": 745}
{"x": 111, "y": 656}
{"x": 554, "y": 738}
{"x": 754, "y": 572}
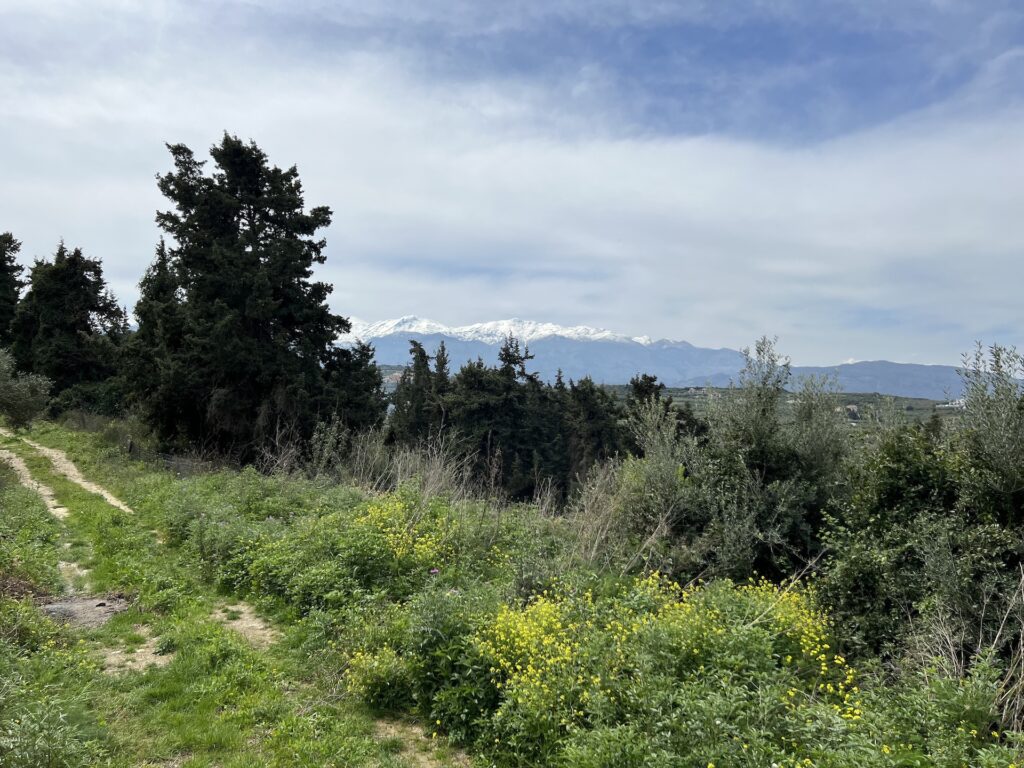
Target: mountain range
{"x": 613, "y": 358}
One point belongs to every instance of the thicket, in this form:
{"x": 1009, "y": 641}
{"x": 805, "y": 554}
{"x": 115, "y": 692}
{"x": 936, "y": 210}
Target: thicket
{"x": 777, "y": 589}
{"x": 523, "y": 435}
{"x": 507, "y": 629}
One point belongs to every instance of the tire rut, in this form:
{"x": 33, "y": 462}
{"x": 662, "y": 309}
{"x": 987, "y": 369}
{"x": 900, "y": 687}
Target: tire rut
{"x": 64, "y": 466}
{"x": 25, "y": 478}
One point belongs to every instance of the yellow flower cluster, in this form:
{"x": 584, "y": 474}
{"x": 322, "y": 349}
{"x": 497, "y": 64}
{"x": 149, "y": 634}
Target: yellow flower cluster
{"x": 530, "y": 647}
{"x": 669, "y": 608}
{"x": 406, "y": 535}
{"x": 791, "y": 615}
{"x": 562, "y": 651}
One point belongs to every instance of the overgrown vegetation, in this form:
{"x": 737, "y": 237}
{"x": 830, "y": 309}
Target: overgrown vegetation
{"x": 637, "y": 627}
{"x": 23, "y": 396}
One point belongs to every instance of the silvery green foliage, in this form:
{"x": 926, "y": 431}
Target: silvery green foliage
{"x": 993, "y": 416}
{"x": 22, "y": 396}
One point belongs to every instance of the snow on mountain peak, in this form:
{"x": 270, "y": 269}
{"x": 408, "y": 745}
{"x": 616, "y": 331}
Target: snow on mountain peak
{"x": 493, "y": 332}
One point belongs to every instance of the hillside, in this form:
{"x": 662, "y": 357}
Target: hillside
{"x": 611, "y": 358}
{"x": 230, "y": 618}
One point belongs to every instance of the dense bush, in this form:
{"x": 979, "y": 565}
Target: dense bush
{"x": 453, "y": 611}
{"x": 747, "y": 495}
{"x": 23, "y": 397}
{"x": 925, "y": 552}
{"x": 648, "y": 673}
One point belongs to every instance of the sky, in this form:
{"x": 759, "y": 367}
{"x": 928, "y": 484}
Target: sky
{"x": 846, "y": 175}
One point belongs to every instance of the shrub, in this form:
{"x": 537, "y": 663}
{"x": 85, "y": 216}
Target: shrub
{"x": 382, "y": 678}
{"x": 24, "y": 396}
{"x": 653, "y": 674}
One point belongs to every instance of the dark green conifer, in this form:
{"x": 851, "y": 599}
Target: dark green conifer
{"x": 246, "y": 338}
{"x": 411, "y": 420}
{"x": 10, "y": 284}
{"x": 69, "y": 328}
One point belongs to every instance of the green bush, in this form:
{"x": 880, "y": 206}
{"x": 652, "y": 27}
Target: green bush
{"x": 23, "y": 397}
{"x": 651, "y": 674}
{"x": 905, "y": 546}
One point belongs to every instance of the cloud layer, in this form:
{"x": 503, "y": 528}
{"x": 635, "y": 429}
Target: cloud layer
{"x": 675, "y": 172}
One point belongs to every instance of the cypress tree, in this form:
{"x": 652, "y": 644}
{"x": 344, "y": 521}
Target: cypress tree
{"x": 69, "y": 328}
{"x": 10, "y": 284}
{"x": 152, "y": 357}
{"x": 593, "y": 426}
{"x": 250, "y": 352}
{"x": 441, "y": 386}
{"x": 411, "y": 420}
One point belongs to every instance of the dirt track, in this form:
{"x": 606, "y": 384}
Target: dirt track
{"x": 26, "y": 479}
{"x": 62, "y": 464}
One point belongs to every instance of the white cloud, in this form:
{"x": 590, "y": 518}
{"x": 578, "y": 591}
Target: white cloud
{"x": 467, "y": 201}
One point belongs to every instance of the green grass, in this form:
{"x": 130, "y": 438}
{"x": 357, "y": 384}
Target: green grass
{"x": 219, "y": 701}
{"x": 29, "y": 538}
{"x": 455, "y": 615}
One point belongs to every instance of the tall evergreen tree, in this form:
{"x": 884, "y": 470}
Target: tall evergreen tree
{"x": 153, "y": 351}
{"x": 593, "y": 426}
{"x": 10, "y": 284}
{"x": 642, "y": 389}
{"x": 248, "y": 350}
{"x": 412, "y": 418}
{"x": 525, "y": 434}
{"x": 442, "y": 384}
{"x": 69, "y": 328}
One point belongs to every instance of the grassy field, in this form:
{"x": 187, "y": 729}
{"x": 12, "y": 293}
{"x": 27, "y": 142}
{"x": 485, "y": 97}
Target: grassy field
{"x": 177, "y": 678}
{"x": 283, "y": 621}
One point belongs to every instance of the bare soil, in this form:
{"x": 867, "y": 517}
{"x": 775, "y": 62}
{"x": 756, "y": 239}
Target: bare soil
{"x": 85, "y": 611}
{"x": 117, "y": 661}
{"x": 242, "y": 618}
{"x": 417, "y": 748}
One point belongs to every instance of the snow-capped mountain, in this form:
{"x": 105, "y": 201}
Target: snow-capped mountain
{"x": 494, "y": 332}
{"x": 614, "y": 358}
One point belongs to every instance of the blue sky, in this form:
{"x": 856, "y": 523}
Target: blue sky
{"x": 845, "y": 175}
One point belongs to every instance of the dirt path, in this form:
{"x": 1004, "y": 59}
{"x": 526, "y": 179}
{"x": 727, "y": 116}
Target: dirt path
{"x": 124, "y": 655}
{"x": 242, "y": 618}
{"x": 121, "y": 660}
{"x": 66, "y": 467}
{"x": 26, "y": 479}
{"x": 417, "y": 748}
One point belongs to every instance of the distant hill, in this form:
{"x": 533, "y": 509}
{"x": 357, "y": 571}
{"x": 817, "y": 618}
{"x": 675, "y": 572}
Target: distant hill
{"x": 935, "y": 382}
{"x": 611, "y": 358}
